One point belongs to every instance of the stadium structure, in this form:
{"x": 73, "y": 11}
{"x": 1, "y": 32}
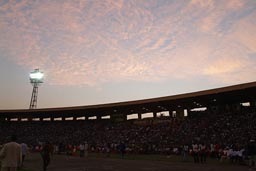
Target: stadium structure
{"x": 219, "y": 118}
{"x": 214, "y": 100}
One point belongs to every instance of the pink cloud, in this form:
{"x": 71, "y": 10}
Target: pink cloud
{"x": 243, "y": 33}
{"x": 114, "y": 41}
{"x": 235, "y": 4}
{"x": 203, "y": 3}
{"x": 224, "y": 65}
{"x": 209, "y": 23}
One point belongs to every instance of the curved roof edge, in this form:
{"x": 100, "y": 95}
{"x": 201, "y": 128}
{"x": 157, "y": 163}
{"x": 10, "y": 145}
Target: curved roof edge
{"x": 144, "y": 101}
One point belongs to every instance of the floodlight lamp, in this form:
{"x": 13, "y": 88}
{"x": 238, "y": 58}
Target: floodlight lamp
{"x": 36, "y": 76}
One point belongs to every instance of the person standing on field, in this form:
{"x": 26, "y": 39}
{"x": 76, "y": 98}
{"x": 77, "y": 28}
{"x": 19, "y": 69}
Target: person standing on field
{"x": 10, "y": 155}
{"x": 24, "y": 151}
{"x": 45, "y": 153}
{"x": 81, "y": 148}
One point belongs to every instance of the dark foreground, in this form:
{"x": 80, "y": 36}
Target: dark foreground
{"x": 70, "y": 163}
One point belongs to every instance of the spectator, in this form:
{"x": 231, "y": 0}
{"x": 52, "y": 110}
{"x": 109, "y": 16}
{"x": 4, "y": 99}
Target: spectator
{"x": 251, "y": 153}
{"x": 24, "y": 150}
{"x": 122, "y": 149}
{"x": 81, "y": 148}
{"x": 185, "y": 152}
{"x": 46, "y": 151}
{"x": 10, "y": 155}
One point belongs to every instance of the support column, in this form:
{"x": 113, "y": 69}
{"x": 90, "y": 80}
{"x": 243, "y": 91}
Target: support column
{"x": 154, "y": 115}
{"x": 252, "y": 103}
{"x": 118, "y": 117}
{"x": 139, "y": 115}
{"x": 235, "y": 107}
{"x": 180, "y": 113}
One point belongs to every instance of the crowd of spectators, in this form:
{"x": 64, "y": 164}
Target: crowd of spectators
{"x": 219, "y": 132}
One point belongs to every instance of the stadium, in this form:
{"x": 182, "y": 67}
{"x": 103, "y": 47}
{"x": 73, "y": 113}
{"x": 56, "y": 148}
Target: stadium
{"x": 220, "y": 119}
{"x": 148, "y": 85}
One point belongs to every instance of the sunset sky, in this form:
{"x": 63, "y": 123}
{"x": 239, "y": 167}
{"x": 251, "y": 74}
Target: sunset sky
{"x": 104, "y": 51}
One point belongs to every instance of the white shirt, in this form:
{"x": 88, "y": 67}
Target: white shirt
{"x": 10, "y": 155}
{"x": 195, "y": 147}
{"x": 81, "y": 147}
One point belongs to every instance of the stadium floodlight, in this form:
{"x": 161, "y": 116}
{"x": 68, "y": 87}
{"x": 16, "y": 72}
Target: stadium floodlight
{"x": 36, "y": 77}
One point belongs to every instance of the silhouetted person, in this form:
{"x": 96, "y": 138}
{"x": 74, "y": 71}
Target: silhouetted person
{"x": 185, "y": 152}
{"x": 122, "y": 149}
{"x": 24, "y": 151}
{"x": 202, "y": 152}
{"x": 10, "y": 155}
{"x": 195, "y": 152}
{"x": 46, "y": 152}
{"x": 251, "y": 150}
{"x": 81, "y": 148}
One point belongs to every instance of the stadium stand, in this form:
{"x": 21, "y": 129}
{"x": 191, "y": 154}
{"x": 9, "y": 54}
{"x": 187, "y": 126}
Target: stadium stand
{"x": 223, "y": 126}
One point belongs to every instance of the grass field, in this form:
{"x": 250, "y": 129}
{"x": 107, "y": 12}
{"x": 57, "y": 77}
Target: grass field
{"x": 99, "y": 162}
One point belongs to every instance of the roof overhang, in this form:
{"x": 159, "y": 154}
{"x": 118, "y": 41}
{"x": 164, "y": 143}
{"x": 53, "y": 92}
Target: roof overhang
{"x": 219, "y": 96}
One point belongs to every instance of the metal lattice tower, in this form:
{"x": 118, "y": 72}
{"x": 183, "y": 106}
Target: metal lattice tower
{"x": 33, "y": 101}
{"x": 36, "y": 77}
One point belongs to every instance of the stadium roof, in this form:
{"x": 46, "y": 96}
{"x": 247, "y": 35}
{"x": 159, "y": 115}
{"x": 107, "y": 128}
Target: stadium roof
{"x": 213, "y": 97}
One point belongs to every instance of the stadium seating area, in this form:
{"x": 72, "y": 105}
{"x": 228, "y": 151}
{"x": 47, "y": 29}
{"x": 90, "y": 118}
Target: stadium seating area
{"x": 149, "y": 135}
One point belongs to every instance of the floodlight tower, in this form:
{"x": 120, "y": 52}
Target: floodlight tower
{"x": 36, "y": 78}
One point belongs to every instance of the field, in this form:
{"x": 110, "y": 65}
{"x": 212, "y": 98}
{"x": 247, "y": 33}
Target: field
{"x": 97, "y": 162}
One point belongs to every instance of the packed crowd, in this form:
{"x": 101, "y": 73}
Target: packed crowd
{"x": 163, "y": 135}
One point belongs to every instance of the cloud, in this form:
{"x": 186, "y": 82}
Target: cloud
{"x": 243, "y": 33}
{"x": 209, "y": 23}
{"x": 231, "y": 70}
{"x": 93, "y": 42}
{"x": 235, "y": 4}
{"x": 224, "y": 65}
{"x": 202, "y": 3}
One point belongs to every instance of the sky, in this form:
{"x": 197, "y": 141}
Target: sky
{"x": 106, "y": 51}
